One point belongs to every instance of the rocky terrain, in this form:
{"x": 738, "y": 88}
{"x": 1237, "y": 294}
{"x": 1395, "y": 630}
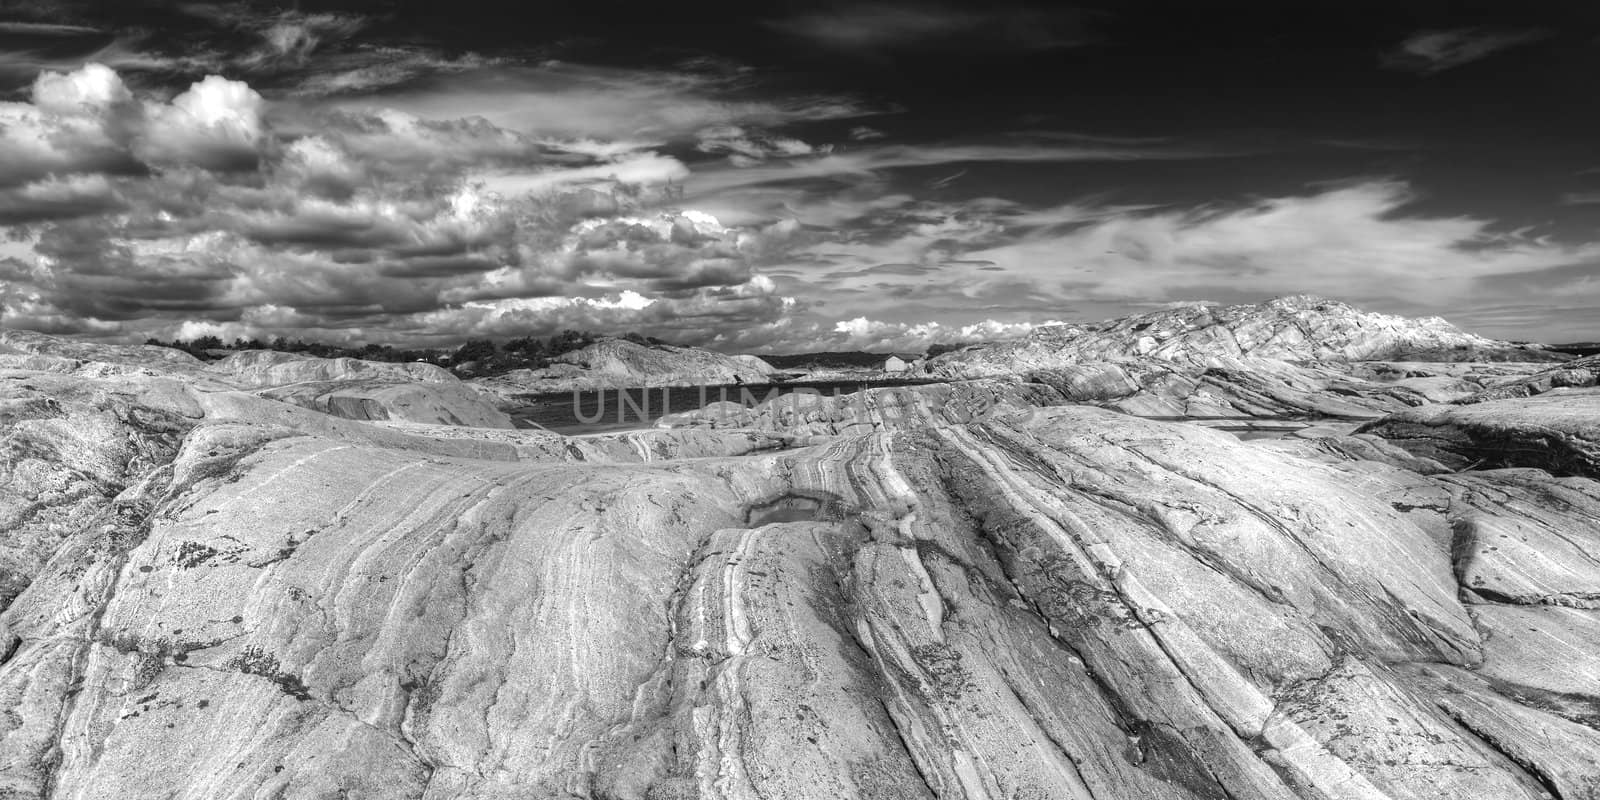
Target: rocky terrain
{"x": 342, "y": 387}
{"x": 1298, "y": 328}
{"x": 1294, "y": 357}
{"x": 229, "y": 581}
{"x": 618, "y": 364}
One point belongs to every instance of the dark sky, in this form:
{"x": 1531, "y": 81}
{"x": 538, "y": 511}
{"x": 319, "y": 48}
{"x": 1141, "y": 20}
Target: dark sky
{"x": 789, "y": 176}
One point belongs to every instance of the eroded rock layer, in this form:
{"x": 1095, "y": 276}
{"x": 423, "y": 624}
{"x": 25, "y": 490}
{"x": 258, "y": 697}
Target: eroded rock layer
{"x": 1558, "y": 431}
{"x": 964, "y": 590}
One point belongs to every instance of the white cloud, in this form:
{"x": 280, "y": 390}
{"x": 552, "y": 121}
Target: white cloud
{"x": 641, "y": 169}
{"x": 1347, "y": 242}
{"x": 862, "y": 333}
{"x": 574, "y": 101}
{"x": 76, "y": 122}
{"x": 134, "y": 216}
{"x": 216, "y": 123}
{"x": 292, "y": 37}
{"x": 747, "y": 147}
{"x": 95, "y": 89}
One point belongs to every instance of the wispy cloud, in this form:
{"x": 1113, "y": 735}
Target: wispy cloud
{"x": 292, "y": 52}
{"x": 864, "y": 161}
{"x": 1434, "y": 51}
{"x": 1360, "y": 241}
{"x": 46, "y": 29}
{"x": 879, "y": 26}
{"x": 585, "y": 101}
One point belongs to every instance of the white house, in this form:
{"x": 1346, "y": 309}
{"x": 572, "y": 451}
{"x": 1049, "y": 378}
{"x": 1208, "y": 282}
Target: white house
{"x": 895, "y": 364}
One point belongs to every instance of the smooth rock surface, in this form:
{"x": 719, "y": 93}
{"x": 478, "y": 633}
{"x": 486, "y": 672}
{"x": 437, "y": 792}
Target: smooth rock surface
{"x": 220, "y": 587}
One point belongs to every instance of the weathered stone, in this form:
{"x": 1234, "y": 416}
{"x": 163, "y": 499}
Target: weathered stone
{"x": 1558, "y": 431}
{"x": 231, "y": 587}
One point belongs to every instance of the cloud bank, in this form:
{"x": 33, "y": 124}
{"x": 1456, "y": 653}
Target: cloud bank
{"x": 679, "y": 206}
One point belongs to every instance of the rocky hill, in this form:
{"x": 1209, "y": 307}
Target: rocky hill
{"x": 23, "y": 343}
{"x": 618, "y": 363}
{"x": 343, "y": 387}
{"x": 261, "y": 368}
{"x": 1295, "y": 356}
{"x": 214, "y": 585}
{"x": 1299, "y": 328}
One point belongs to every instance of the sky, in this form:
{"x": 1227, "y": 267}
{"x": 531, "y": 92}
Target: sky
{"x": 788, "y": 176}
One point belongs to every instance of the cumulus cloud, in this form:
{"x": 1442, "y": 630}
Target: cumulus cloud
{"x": 221, "y": 210}
{"x": 862, "y": 333}
{"x": 76, "y": 122}
{"x": 94, "y": 89}
{"x": 349, "y": 221}
{"x": 88, "y": 121}
{"x": 216, "y": 124}
{"x": 1438, "y": 50}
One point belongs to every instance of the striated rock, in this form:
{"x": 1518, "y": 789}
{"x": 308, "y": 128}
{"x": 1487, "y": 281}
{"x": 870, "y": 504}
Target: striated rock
{"x": 816, "y": 414}
{"x": 256, "y": 369}
{"x": 1400, "y": 745}
{"x": 69, "y": 448}
{"x": 443, "y": 403}
{"x": 343, "y": 387}
{"x": 29, "y": 342}
{"x": 366, "y": 390}
{"x": 231, "y": 588}
{"x": 1563, "y": 755}
{"x": 1524, "y": 537}
{"x": 618, "y": 363}
{"x": 1558, "y": 431}
{"x": 1578, "y": 374}
{"x": 1292, "y": 358}
{"x": 1230, "y": 387}
{"x": 1297, "y": 328}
